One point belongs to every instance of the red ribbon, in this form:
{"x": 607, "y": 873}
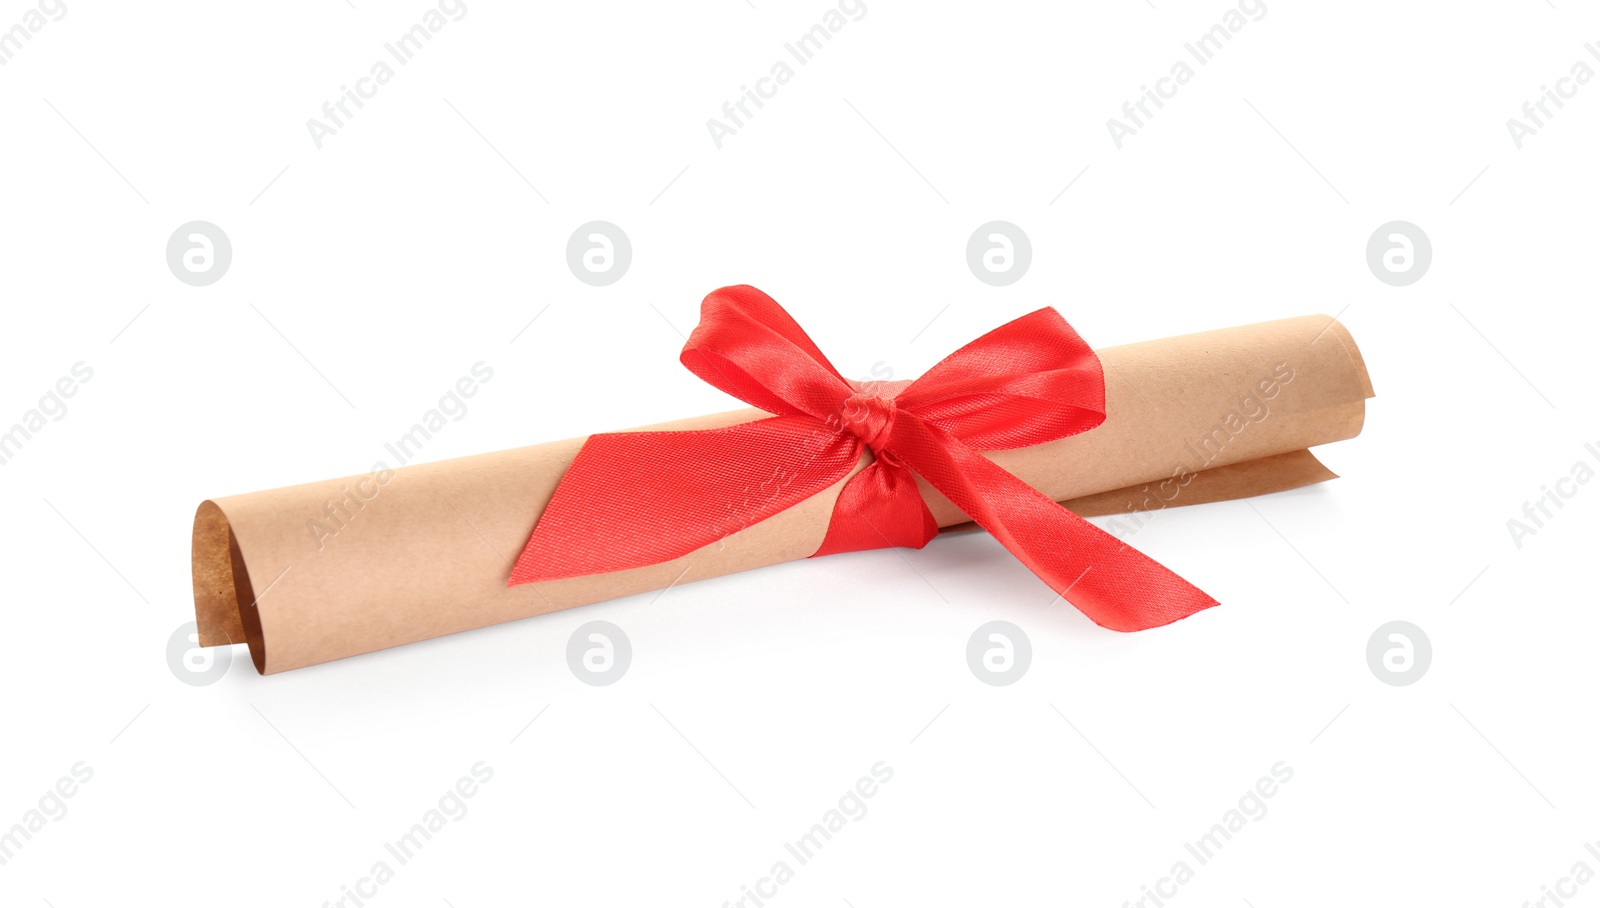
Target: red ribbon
{"x": 632, "y": 499}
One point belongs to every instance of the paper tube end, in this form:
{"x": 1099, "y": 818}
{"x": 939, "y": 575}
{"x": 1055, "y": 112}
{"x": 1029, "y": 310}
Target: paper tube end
{"x": 222, "y": 585}
{"x": 1336, "y": 330}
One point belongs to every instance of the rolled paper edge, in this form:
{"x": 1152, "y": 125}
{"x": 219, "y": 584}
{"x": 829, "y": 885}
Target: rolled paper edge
{"x": 1340, "y": 333}
{"x": 1247, "y": 479}
{"x": 1262, "y": 476}
{"x": 222, "y": 586}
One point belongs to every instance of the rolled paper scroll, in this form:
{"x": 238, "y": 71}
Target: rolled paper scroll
{"x": 428, "y": 548}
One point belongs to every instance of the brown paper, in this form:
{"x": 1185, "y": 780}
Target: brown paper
{"x": 321, "y": 571}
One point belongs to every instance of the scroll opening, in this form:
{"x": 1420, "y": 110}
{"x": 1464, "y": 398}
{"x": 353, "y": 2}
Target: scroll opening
{"x": 224, "y": 599}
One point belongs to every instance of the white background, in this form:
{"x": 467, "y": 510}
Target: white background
{"x": 427, "y": 233}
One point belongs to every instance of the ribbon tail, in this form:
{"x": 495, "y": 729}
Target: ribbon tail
{"x": 1117, "y": 586}
{"x": 879, "y": 507}
{"x": 633, "y": 499}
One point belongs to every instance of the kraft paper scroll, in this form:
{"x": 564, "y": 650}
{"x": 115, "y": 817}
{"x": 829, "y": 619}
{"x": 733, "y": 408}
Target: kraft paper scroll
{"x": 428, "y": 548}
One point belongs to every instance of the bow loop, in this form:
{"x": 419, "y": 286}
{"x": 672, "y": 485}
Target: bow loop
{"x": 748, "y": 346}
{"x": 1030, "y": 381}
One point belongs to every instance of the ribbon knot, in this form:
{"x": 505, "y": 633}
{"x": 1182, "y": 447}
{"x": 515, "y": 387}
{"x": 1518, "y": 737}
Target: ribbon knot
{"x": 632, "y": 499}
{"x": 869, "y": 413}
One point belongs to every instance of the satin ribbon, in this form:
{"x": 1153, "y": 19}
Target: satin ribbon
{"x": 632, "y": 499}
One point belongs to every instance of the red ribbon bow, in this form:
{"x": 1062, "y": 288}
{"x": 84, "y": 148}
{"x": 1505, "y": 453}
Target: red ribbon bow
{"x": 633, "y": 499}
